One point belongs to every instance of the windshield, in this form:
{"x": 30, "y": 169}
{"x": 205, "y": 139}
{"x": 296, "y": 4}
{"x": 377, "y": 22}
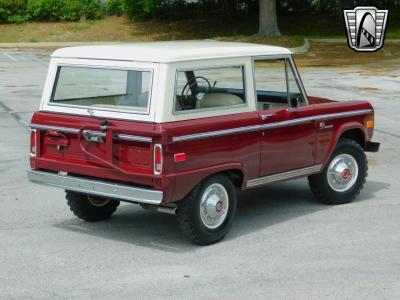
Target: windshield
{"x": 110, "y": 89}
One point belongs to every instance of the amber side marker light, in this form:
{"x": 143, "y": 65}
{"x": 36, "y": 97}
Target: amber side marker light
{"x": 370, "y": 124}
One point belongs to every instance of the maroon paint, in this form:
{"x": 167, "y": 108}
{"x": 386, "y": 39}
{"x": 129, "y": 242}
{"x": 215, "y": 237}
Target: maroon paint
{"x": 253, "y": 154}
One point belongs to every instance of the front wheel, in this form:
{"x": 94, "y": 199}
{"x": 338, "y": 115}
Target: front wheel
{"x": 343, "y": 176}
{"x": 91, "y": 208}
{"x": 206, "y": 215}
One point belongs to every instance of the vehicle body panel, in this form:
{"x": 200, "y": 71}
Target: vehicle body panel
{"x": 290, "y": 141}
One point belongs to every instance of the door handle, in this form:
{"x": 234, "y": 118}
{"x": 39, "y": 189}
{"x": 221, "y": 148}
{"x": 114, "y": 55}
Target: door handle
{"x": 265, "y": 116}
{"x": 322, "y": 125}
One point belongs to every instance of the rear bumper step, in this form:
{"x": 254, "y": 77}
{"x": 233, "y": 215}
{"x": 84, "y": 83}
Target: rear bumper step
{"x": 96, "y": 187}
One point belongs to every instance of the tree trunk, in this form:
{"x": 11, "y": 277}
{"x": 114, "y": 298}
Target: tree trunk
{"x": 230, "y": 9}
{"x": 268, "y": 19}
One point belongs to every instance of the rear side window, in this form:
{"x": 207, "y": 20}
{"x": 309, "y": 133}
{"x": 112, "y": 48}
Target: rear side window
{"x": 107, "y": 89}
{"x": 209, "y": 88}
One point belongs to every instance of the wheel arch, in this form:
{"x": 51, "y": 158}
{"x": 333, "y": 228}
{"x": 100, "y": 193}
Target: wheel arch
{"x": 236, "y": 175}
{"x": 352, "y": 130}
{"x": 185, "y": 182}
{"x": 355, "y": 134}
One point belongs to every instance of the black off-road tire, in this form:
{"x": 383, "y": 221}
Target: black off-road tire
{"x": 189, "y": 219}
{"x": 80, "y": 205}
{"x": 319, "y": 182}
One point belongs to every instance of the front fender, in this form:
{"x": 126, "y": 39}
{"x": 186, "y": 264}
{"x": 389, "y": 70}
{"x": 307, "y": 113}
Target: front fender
{"x": 339, "y": 132}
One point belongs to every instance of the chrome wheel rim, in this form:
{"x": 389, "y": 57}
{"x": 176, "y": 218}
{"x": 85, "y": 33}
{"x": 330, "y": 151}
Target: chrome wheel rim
{"x": 342, "y": 172}
{"x": 214, "y": 205}
{"x": 98, "y": 202}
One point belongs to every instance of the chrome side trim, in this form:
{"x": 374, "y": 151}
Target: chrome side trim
{"x": 97, "y": 187}
{"x": 215, "y": 133}
{"x": 294, "y": 122}
{"x": 283, "y": 176}
{"x": 136, "y": 138}
{"x": 345, "y": 114}
{"x": 125, "y": 137}
{"x": 47, "y": 127}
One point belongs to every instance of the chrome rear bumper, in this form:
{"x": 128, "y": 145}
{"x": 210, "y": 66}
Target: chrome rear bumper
{"x": 96, "y": 187}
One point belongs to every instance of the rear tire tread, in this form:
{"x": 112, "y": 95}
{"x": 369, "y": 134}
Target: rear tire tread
{"x": 188, "y": 220}
{"x": 81, "y": 207}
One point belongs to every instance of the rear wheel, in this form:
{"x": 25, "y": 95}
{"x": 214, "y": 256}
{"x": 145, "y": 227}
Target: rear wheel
{"x": 343, "y": 176}
{"x": 91, "y": 208}
{"x": 206, "y": 215}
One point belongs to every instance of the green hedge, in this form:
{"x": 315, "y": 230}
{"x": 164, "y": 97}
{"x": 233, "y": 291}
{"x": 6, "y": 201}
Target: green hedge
{"x": 63, "y": 10}
{"x": 11, "y": 10}
{"x": 139, "y": 9}
{"x": 18, "y": 11}
{"x": 114, "y": 8}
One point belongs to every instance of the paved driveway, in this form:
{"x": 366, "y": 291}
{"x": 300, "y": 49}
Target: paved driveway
{"x": 283, "y": 244}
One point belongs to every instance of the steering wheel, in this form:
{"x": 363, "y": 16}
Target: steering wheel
{"x": 195, "y": 83}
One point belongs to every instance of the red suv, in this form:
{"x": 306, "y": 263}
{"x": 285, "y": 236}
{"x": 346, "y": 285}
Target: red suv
{"x": 180, "y": 127}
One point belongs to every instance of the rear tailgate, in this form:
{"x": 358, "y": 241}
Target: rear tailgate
{"x": 120, "y": 150}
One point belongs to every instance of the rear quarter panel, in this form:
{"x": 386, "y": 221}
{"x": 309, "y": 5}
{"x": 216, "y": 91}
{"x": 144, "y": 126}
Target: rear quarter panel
{"x": 210, "y": 155}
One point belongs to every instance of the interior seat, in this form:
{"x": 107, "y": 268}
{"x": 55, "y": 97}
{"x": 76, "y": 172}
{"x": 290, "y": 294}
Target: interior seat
{"x": 220, "y": 99}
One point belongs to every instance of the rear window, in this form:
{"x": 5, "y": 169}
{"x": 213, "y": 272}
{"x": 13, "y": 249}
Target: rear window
{"x": 107, "y": 89}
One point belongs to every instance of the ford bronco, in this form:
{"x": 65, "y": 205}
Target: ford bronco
{"x": 181, "y": 127}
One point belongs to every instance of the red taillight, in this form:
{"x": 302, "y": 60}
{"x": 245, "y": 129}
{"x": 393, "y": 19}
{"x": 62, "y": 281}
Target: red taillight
{"x": 158, "y": 161}
{"x": 33, "y": 142}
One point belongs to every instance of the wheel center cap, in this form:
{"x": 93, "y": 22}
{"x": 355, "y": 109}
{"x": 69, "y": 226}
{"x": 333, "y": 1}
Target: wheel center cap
{"x": 346, "y": 174}
{"x": 219, "y": 206}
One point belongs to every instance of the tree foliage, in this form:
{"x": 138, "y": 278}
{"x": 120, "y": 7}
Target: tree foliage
{"x": 139, "y": 9}
{"x": 17, "y": 11}
{"x": 11, "y": 9}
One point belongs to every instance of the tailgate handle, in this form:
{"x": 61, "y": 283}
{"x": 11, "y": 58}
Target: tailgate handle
{"x": 55, "y": 133}
{"x": 93, "y": 136}
{"x": 56, "y": 138}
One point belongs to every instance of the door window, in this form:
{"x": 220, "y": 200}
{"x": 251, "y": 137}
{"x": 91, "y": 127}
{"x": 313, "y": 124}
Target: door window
{"x": 276, "y": 84}
{"x": 210, "y": 88}
{"x": 293, "y": 85}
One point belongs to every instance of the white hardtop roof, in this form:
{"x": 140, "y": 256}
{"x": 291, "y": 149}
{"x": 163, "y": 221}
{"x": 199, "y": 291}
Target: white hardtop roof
{"x": 172, "y": 51}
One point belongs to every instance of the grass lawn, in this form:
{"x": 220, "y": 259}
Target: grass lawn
{"x": 110, "y": 29}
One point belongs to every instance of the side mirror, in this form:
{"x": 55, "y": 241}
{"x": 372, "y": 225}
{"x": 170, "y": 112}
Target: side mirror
{"x": 294, "y": 102}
